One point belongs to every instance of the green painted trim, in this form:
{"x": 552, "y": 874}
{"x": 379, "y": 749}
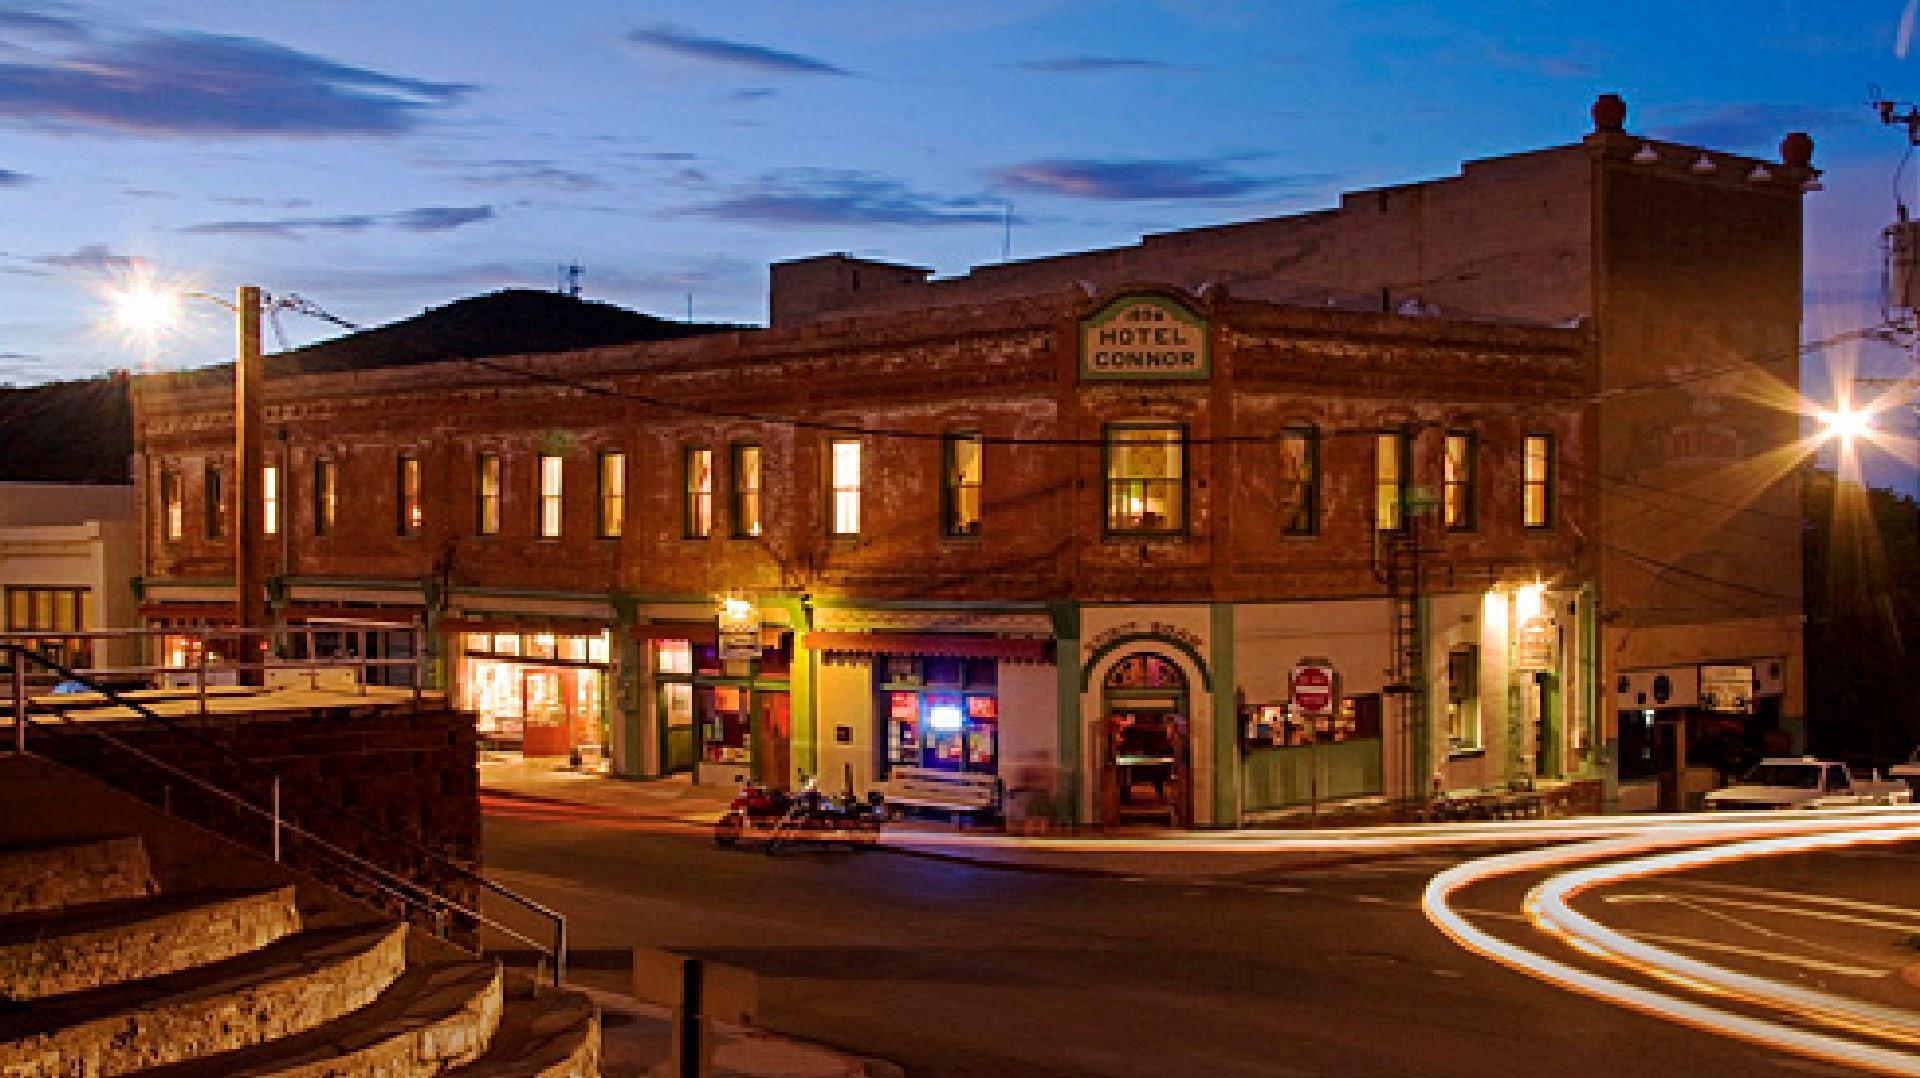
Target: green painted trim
{"x": 367, "y": 583}
{"x": 803, "y": 693}
{"x": 1066, "y": 622}
{"x": 1200, "y": 664}
{"x": 977, "y": 605}
{"x": 463, "y": 594}
{"x": 1226, "y": 722}
{"x": 1067, "y": 714}
{"x": 187, "y": 582}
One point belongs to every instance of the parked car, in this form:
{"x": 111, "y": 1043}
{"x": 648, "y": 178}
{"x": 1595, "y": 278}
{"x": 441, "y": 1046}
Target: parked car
{"x": 1806, "y": 783}
{"x": 1908, "y": 772}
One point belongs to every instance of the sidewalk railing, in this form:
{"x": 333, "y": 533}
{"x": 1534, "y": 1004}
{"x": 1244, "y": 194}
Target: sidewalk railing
{"x": 438, "y": 912}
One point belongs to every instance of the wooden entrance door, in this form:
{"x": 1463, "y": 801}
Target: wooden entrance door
{"x": 773, "y": 758}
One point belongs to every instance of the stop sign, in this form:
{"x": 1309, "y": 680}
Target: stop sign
{"x": 1312, "y": 683}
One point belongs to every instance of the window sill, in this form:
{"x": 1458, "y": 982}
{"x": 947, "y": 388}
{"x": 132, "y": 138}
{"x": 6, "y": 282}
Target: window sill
{"x": 1465, "y": 754}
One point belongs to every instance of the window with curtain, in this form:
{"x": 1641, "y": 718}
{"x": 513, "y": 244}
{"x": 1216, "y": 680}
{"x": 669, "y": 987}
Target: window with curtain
{"x": 1146, "y": 479}
{"x": 965, "y": 457}
{"x": 270, "y": 499}
{"x": 1536, "y": 496}
{"x": 406, "y": 482}
{"x": 326, "y": 496}
{"x": 612, "y": 498}
{"x": 746, "y": 491}
{"x": 697, "y": 510}
{"x": 1457, "y": 493}
{"x": 216, "y": 498}
{"x": 487, "y": 494}
{"x": 1390, "y": 481}
{"x": 173, "y": 519}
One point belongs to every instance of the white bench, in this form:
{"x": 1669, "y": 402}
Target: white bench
{"x": 950, "y": 791}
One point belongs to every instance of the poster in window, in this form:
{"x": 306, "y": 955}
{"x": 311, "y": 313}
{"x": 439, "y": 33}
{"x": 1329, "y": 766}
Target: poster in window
{"x": 903, "y": 705}
{"x": 983, "y": 707}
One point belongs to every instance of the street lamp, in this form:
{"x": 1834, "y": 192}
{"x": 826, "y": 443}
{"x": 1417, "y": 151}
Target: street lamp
{"x": 147, "y": 307}
{"x": 1843, "y": 424}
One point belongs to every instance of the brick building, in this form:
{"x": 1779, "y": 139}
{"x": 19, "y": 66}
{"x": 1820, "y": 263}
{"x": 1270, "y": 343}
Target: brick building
{"x": 1071, "y": 523}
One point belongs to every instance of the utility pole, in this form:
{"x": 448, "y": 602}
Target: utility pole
{"x": 249, "y": 570}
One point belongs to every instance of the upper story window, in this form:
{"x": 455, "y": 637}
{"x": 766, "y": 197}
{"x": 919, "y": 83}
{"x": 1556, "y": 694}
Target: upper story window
{"x": 1458, "y": 493}
{"x": 270, "y": 499}
{"x": 173, "y": 513}
{"x": 964, "y": 460}
{"x": 1146, "y": 478}
{"x": 216, "y": 497}
{"x": 746, "y": 492}
{"x": 406, "y": 489}
{"x": 552, "y": 474}
{"x": 1390, "y": 481}
{"x": 1299, "y": 480}
{"x": 326, "y": 496}
{"x": 843, "y": 467}
{"x": 486, "y": 486}
{"x": 1536, "y": 480}
{"x": 612, "y": 496}
{"x": 696, "y": 514}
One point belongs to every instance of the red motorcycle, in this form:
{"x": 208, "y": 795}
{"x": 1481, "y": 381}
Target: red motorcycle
{"x": 761, "y": 812}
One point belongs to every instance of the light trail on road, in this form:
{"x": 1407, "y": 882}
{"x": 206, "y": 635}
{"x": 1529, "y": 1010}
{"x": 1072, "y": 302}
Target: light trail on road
{"x": 1729, "y": 840}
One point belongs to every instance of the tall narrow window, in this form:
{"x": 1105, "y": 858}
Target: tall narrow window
{"x": 1299, "y": 481}
{"x": 612, "y": 499}
{"x": 1458, "y": 493}
{"x": 1146, "y": 479}
{"x": 552, "y": 472}
{"x": 486, "y": 487}
{"x": 696, "y": 516}
{"x": 173, "y": 516}
{"x": 1390, "y": 481}
{"x": 326, "y": 496}
{"x": 406, "y": 484}
{"x": 216, "y": 496}
{"x": 1536, "y": 497}
{"x": 746, "y": 491}
{"x": 844, "y": 478}
{"x": 270, "y": 499}
{"x": 965, "y": 457}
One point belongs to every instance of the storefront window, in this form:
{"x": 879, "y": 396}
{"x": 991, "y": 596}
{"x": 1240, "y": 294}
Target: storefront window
{"x": 553, "y": 707}
{"x": 1146, "y": 479}
{"x": 673, "y": 656}
{"x": 725, "y": 725}
{"x": 942, "y": 713}
{"x": 1463, "y": 699}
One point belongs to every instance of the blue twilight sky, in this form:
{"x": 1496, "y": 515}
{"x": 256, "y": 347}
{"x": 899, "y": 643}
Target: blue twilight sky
{"x": 384, "y": 156}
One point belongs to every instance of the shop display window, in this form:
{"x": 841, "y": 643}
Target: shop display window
{"x": 673, "y": 656}
{"x": 725, "y": 725}
{"x": 941, "y": 713}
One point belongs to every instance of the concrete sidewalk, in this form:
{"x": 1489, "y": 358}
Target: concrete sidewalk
{"x": 638, "y": 1037}
{"x": 550, "y": 779}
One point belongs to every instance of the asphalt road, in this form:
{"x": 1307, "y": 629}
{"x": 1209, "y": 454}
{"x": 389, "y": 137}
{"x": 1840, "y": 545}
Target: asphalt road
{"x": 954, "y": 970}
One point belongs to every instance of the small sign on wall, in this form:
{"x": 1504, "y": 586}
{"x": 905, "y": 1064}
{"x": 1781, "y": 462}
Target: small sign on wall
{"x": 1149, "y": 338}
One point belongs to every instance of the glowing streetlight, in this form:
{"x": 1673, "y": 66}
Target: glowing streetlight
{"x": 1844, "y": 424}
{"x": 144, "y": 309}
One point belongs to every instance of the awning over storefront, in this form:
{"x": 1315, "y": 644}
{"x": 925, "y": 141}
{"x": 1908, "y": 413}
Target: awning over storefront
{"x": 188, "y": 613}
{"x": 699, "y": 632}
{"x": 935, "y": 645}
{"x": 530, "y": 623}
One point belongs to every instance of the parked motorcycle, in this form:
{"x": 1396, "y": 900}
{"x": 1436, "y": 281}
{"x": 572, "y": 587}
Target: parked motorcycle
{"x": 776, "y": 818}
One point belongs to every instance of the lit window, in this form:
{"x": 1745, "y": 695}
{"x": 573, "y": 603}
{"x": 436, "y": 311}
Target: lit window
{"x": 1536, "y": 501}
{"x": 1463, "y": 699}
{"x": 407, "y": 495}
{"x": 173, "y": 522}
{"x": 1299, "y": 480}
{"x": 1457, "y": 484}
{"x": 552, "y": 471}
{"x": 270, "y": 499}
{"x": 613, "y": 495}
{"x": 697, "y": 510}
{"x": 845, "y": 482}
{"x": 487, "y": 493}
{"x": 326, "y": 496}
{"x": 964, "y": 463}
{"x": 746, "y": 491}
{"x": 1147, "y": 479}
{"x": 1390, "y": 481}
{"x": 216, "y": 497}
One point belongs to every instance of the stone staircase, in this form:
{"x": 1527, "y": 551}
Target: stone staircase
{"x": 217, "y": 962}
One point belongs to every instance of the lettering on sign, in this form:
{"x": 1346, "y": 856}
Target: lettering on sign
{"x": 1144, "y": 337}
{"x": 1108, "y": 635}
{"x": 1315, "y": 687}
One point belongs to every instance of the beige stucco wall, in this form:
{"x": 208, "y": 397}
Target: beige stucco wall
{"x": 846, "y": 699}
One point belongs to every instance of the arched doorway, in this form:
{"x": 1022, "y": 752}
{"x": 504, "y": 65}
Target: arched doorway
{"x": 1145, "y": 760}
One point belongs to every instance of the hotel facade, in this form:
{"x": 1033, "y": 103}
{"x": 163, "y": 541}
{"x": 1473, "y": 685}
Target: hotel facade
{"x": 1038, "y": 521}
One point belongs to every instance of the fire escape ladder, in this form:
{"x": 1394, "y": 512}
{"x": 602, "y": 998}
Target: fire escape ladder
{"x": 1405, "y": 588}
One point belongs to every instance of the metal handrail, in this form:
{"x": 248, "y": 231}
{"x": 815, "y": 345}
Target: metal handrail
{"x": 436, "y": 906}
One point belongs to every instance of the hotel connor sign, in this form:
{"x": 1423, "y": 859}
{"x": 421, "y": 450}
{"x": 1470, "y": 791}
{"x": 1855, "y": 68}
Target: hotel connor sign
{"x": 1152, "y": 338}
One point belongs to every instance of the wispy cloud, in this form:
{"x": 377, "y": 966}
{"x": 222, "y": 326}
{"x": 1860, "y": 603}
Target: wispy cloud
{"x": 1754, "y": 127}
{"x": 751, "y": 94}
{"x": 265, "y": 203}
{"x": 1137, "y": 179}
{"x": 1094, "y": 65}
{"x": 423, "y": 219}
{"x": 41, "y": 25}
{"x": 806, "y": 197}
{"x": 10, "y": 178}
{"x": 91, "y": 257}
{"x": 735, "y": 53}
{"x": 528, "y": 172}
{"x": 1553, "y": 65}
{"x": 192, "y": 84}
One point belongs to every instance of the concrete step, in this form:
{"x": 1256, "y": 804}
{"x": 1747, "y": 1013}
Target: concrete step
{"x": 72, "y": 874}
{"x": 300, "y": 982}
{"x": 543, "y": 1034}
{"x": 436, "y": 1016}
{"x": 53, "y": 952}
